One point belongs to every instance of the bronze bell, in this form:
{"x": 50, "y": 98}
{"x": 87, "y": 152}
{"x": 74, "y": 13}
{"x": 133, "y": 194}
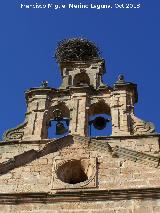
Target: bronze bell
{"x": 60, "y": 128}
{"x": 100, "y": 122}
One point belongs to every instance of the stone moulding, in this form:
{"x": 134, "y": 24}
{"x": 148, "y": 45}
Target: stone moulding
{"x": 124, "y": 153}
{"x": 83, "y": 196}
{"x": 90, "y": 165}
{"x": 135, "y": 156}
{"x": 32, "y": 154}
{"x": 15, "y": 133}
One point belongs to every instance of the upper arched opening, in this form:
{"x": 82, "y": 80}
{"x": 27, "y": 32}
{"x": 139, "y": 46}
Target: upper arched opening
{"x": 81, "y": 79}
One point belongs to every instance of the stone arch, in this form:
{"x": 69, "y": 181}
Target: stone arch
{"x": 99, "y": 117}
{"x": 100, "y": 107}
{"x": 62, "y": 107}
{"x": 54, "y": 125}
{"x": 81, "y": 79}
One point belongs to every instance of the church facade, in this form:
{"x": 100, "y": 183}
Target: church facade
{"x": 78, "y": 172}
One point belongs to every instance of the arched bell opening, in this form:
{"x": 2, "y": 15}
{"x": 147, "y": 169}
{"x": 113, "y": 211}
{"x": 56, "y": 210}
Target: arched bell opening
{"x": 81, "y": 79}
{"x": 58, "y": 121}
{"x": 100, "y": 123}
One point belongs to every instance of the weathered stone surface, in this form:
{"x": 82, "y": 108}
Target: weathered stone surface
{"x": 80, "y": 100}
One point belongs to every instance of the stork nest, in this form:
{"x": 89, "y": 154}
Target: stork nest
{"x": 76, "y": 49}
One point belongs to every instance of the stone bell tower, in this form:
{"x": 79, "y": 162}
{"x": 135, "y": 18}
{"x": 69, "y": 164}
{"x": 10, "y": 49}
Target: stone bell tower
{"x": 113, "y": 173}
{"x": 81, "y": 95}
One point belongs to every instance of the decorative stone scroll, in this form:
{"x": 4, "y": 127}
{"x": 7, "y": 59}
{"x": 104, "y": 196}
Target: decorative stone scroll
{"x": 140, "y": 127}
{"x": 15, "y": 133}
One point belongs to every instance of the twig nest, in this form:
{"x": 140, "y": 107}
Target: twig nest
{"x": 76, "y": 49}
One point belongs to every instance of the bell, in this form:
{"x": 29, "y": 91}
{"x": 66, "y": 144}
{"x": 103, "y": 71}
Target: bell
{"x": 60, "y": 128}
{"x": 100, "y": 122}
{"x": 57, "y": 115}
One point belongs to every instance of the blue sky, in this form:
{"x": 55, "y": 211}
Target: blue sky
{"x": 129, "y": 40}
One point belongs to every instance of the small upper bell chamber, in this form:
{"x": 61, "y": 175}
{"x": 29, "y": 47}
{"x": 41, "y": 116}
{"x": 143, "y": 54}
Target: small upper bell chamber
{"x": 80, "y": 63}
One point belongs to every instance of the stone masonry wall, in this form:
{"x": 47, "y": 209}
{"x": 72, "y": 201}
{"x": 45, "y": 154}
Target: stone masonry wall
{"x": 129, "y": 206}
{"x": 35, "y": 173}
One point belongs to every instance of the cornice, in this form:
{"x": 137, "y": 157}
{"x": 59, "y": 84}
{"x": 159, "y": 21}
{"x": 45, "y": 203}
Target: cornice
{"x": 81, "y": 196}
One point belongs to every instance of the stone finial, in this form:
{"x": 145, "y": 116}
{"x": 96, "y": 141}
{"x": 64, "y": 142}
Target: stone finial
{"x": 44, "y": 84}
{"x": 120, "y": 79}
